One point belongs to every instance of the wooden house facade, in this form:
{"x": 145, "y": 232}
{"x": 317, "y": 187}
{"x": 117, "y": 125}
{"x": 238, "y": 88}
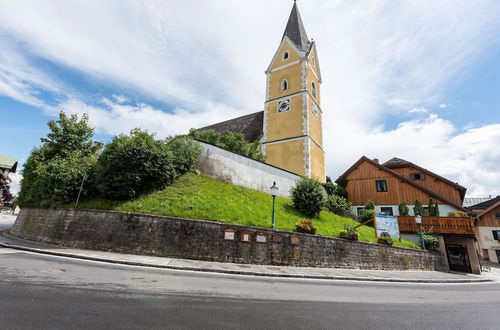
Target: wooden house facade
{"x": 397, "y": 181}
{"x": 487, "y": 224}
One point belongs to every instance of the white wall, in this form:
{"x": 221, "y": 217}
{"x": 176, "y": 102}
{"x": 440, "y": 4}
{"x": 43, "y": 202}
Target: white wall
{"x": 486, "y": 241}
{"x": 239, "y": 170}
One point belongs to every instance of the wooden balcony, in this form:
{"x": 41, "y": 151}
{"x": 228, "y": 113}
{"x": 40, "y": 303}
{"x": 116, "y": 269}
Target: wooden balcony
{"x": 438, "y": 225}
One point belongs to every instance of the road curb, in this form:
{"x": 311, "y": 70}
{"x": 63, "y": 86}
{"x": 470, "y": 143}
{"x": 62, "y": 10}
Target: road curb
{"x": 238, "y": 272}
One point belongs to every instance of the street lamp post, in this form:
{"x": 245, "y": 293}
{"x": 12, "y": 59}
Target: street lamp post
{"x": 274, "y": 192}
{"x": 418, "y": 219}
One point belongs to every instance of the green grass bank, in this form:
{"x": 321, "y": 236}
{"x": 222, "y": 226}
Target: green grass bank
{"x": 200, "y": 197}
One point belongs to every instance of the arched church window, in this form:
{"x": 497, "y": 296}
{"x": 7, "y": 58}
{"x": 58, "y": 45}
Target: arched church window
{"x": 285, "y": 56}
{"x": 284, "y": 85}
{"x": 313, "y": 89}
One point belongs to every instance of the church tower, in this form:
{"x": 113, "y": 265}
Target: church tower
{"x": 292, "y": 133}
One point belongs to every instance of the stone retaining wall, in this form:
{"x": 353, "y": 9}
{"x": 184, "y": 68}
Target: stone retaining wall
{"x": 206, "y": 240}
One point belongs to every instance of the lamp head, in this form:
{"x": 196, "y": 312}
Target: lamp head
{"x": 274, "y": 189}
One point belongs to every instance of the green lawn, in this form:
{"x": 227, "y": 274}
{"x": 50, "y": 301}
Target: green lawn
{"x": 199, "y": 197}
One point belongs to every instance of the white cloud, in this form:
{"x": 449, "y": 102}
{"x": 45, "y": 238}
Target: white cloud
{"x": 15, "y": 185}
{"x": 444, "y": 106}
{"x": 418, "y": 110}
{"x": 111, "y": 117}
{"x": 378, "y": 59}
{"x": 468, "y": 156}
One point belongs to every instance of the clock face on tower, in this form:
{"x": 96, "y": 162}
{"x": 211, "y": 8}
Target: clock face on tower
{"x": 284, "y": 105}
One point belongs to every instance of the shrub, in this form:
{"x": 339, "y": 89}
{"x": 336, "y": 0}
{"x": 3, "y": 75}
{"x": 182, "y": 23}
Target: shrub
{"x": 134, "y": 164}
{"x": 307, "y": 197}
{"x": 349, "y": 232}
{"x": 234, "y": 142}
{"x": 305, "y": 226}
{"x": 370, "y": 205}
{"x": 403, "y": 208}
{"x": 366, "y": 215}
{"x": 431, "y": 242}
{"x": 418, "y": 209}
{"x": 338, "y": 205}
{"x": 185, "y": 152}
{"x": 334, "y": 189}
{"x": 433, "y": 208}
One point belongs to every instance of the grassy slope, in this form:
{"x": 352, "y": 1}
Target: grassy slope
{"x": 199, "y": 197}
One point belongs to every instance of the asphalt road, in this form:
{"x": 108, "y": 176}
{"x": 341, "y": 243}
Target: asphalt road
{"x": 45, "y": 292}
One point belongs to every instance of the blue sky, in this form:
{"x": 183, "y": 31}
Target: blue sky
{"x": 418, "y": 80}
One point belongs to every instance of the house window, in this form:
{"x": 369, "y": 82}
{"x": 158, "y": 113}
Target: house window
{"x": 496, "y": 235}
{"x": 417, "y": 176}
{"x": 387, "y": 210}
{"x": 313, "y": 89}
{"x": 285, "y": 56}
{"x": 381, "y": 185}
{"x": 284, "y": 85}
{"x": 359, "y": 210}
{"x": 497, "y": 215}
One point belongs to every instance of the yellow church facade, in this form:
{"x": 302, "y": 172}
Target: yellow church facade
{"x": 292, "y": 133}
{"x": 290, "y": 128}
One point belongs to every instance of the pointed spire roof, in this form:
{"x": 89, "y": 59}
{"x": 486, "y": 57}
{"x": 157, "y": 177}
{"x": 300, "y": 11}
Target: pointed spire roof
{"x": 295, "y": 30}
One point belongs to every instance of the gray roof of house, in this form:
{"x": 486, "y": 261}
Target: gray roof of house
{"x": 483, "y": 203}
{"x": 295, "y": 30}
{"x": 251, "y": 126}
{"x": 7, "y": 162}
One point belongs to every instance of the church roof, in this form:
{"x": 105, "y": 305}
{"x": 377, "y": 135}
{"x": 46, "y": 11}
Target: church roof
{"x": 295, "y": 30}
{"x": 251, "y": 126}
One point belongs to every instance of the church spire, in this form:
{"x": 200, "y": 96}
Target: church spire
{"x": 295, "y": 30}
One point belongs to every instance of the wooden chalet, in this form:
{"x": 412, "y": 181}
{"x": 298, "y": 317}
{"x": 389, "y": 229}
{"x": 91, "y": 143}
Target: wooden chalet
{"x": 487, "y": 223}
{"x": 397, "y": 181}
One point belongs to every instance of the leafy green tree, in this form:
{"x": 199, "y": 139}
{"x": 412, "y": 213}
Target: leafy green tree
{"x": 53, "y": 173}
{"x": 403, "y": 209}
{"x": 131, "y": 165}
{"x": 418, "y": 209}
{"x": 307, "y": 196}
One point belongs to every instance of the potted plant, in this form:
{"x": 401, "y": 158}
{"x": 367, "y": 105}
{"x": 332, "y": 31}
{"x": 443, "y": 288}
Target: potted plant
{"x": 306, "y": 227}
{"x": 349, "y": 233}
{"x": 385, "y": 238}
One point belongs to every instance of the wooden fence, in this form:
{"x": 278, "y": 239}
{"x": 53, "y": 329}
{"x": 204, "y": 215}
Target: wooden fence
{"x": 438, "y": 225}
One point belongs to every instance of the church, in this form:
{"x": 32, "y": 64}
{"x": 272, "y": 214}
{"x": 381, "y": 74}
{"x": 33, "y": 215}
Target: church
{"x": 290, "y": 128}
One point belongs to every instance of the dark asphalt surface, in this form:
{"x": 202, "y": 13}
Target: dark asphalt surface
{"x": 44, "y": 292}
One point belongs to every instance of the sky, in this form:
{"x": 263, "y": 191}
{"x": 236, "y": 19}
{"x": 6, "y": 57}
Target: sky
{"x": 414, "y": 79}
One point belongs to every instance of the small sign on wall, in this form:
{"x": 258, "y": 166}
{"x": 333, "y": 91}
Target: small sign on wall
{"x": 229, "y": 234}
{"x": 246, "y": 236}
{"x": 261, "y": 238}
{"x": 295, "y": 240}
{"x": 277, "y": 238}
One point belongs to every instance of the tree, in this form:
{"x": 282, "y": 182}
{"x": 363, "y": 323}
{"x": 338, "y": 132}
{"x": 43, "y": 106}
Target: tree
{"x": 307, "y": 196}
{"x": 134, "y": 164}
{"x": 53, "y": 173}
{"x": 403, "y": 209}
{"x": 368, "y": 212}
{"x": 418, "y": 209}
{"x": 334, "y": 189}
